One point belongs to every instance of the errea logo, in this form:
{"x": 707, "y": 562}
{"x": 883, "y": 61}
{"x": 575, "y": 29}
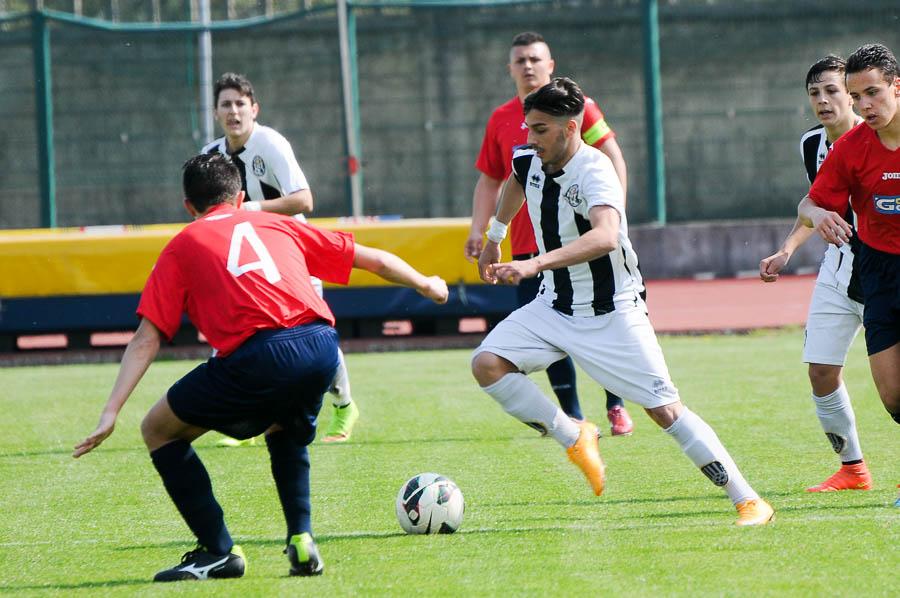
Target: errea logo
{"x": 890, "y": 176}
{"x": 534, "y": 181}
{"x": 887, "y": 204}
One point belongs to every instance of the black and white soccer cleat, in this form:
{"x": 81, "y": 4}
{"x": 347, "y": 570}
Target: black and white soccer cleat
{"x": 199, "y": 564}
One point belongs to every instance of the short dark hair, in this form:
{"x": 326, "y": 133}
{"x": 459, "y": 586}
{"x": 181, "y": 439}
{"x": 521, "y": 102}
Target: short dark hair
{"x": 560, "y": 97}
{"x": 874, "y": 56}
{"x": 235, "y": 81}
{"x": 829, "y": 63}
{"x": 526, "y": 38}
{"x": 210, "y": 179}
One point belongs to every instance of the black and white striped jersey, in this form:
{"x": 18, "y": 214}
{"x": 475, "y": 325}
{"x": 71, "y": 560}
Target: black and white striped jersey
{"x": 558, "y": 204}
{"x": 814, "y": 146}
{"x": 837, "y": 267}
{"x": 267, "y": 163}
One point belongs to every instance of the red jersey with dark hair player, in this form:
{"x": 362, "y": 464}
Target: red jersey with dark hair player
{"x": 244, "y": 280}
{"x": 864, "y": 166}
{"x": 531, "y": 66}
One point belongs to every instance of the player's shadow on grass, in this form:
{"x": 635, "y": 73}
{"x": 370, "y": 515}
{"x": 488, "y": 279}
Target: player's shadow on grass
{"x": 275, "y": 543}
{"x": 599, "y": 502}
{"x": 440, "y": 440}
{"x": 68, "y": 451}
{"x": 87, "y": 585}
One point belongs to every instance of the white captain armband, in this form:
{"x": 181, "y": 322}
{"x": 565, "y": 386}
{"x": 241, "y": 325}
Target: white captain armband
{"x": 252, "y": 206}
{"x": 497, "y": 232}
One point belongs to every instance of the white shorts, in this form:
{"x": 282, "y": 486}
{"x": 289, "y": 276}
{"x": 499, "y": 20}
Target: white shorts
{"x": 619, "y": 349}
{"x": 834, "y": 320}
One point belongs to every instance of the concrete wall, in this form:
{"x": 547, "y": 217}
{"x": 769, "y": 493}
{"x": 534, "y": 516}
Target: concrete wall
{"x": 718, "y": 249}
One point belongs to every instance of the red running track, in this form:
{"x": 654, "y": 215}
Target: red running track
{"x": 734, "y": 304}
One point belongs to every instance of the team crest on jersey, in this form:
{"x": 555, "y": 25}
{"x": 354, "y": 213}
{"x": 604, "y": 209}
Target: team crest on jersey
{"x": 572, "y": 197}
{"x": 259, "y": 167}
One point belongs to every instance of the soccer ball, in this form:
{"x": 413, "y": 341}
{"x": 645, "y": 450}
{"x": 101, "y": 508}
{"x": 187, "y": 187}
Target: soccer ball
{"x": 430, "y": 504}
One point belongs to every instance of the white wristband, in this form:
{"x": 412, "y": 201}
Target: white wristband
{"x": 497, "y": 232}
{"x": 252, "y": 206}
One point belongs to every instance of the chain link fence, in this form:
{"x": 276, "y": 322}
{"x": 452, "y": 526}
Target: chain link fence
{"x": 126, "y": 103}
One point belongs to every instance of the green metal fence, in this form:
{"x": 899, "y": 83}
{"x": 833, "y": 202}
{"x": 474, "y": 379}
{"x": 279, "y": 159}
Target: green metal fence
{"x": 126, "y": 104}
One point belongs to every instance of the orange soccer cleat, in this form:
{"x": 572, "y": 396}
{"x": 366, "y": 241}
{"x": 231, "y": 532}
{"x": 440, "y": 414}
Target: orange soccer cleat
{"x": 848, "y": 477}
{"x": 585, "y": 453}
{"x": 755, "y": 511}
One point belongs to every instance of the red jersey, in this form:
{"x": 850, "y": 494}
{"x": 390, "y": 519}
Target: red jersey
{"x": 505, "y": 130}
{"x": 235, "y": 272}
{"x": 861, "y": 168}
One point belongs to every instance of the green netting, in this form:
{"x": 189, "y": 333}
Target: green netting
{"x": 126, "y": 105}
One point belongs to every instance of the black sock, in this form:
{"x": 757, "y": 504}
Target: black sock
{"x": 613, "y": 400}
{"x": 562, "y": 379}
{"x": 290, "y": 469}
{"x": 188, "y": 484}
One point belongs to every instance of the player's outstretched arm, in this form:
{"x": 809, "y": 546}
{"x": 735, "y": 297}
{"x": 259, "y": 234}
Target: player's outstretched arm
{"x": 139, "y": 354}
{"x": 770, "y": 267}
{"x": 829, "y": 225}
{"x": 394, "y": 269}
{"x": 484, "y": 204}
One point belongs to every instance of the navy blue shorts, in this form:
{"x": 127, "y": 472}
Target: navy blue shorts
{"x": 276, "y": 376}
{"x": 879, "y": 273}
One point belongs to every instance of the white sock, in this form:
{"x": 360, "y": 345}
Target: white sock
{"x": 839, "y": 423}
{"x": 701, "y": 445}
{"x": 340, "y": 386}
{"x": 521, "y": 398}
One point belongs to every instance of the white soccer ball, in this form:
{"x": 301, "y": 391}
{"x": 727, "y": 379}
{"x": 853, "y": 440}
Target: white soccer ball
{"x": 430, "y": 503}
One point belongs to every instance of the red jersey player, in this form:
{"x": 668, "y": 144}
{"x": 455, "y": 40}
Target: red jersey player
{"x": 864, "y": 166}
{"x": 243, "y": 278}
{"x": 530, "y": 66}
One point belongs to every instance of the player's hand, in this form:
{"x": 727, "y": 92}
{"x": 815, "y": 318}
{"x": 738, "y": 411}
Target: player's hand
{"x": 104, "y": 429}
{"x": 474, "y": 245}
{"x": 514, "y": 272}
{"x": 832, "y": 227}
{"x": 772, "y": 265}
{"x": 489, "y": 255}
{"x": 435, "y": 289}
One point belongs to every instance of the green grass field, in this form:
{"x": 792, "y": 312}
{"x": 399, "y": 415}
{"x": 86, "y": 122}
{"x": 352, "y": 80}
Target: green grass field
{"x": 103, "y": 525}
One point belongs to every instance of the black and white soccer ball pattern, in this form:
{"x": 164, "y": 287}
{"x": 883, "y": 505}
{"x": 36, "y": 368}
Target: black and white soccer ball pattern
{"x": 430, "y": 503}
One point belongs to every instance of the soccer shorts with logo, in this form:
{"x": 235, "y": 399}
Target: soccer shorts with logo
{"x": 879, "y": 273}
{"x": 833, "y": 321}
{"x": 619, "y": 350}
{"x": 276, "y": 376}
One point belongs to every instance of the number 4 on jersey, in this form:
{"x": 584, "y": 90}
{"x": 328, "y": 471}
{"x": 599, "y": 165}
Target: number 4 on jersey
{"x": 264, "y": 262}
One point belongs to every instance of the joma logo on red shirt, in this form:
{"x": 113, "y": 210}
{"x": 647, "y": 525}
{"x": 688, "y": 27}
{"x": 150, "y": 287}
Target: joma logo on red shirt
{"x": 888, "y": 176}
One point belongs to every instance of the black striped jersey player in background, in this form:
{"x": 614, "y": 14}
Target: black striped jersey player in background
{"x": 273, "y": 182}
{"x": 836, "y": 308}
